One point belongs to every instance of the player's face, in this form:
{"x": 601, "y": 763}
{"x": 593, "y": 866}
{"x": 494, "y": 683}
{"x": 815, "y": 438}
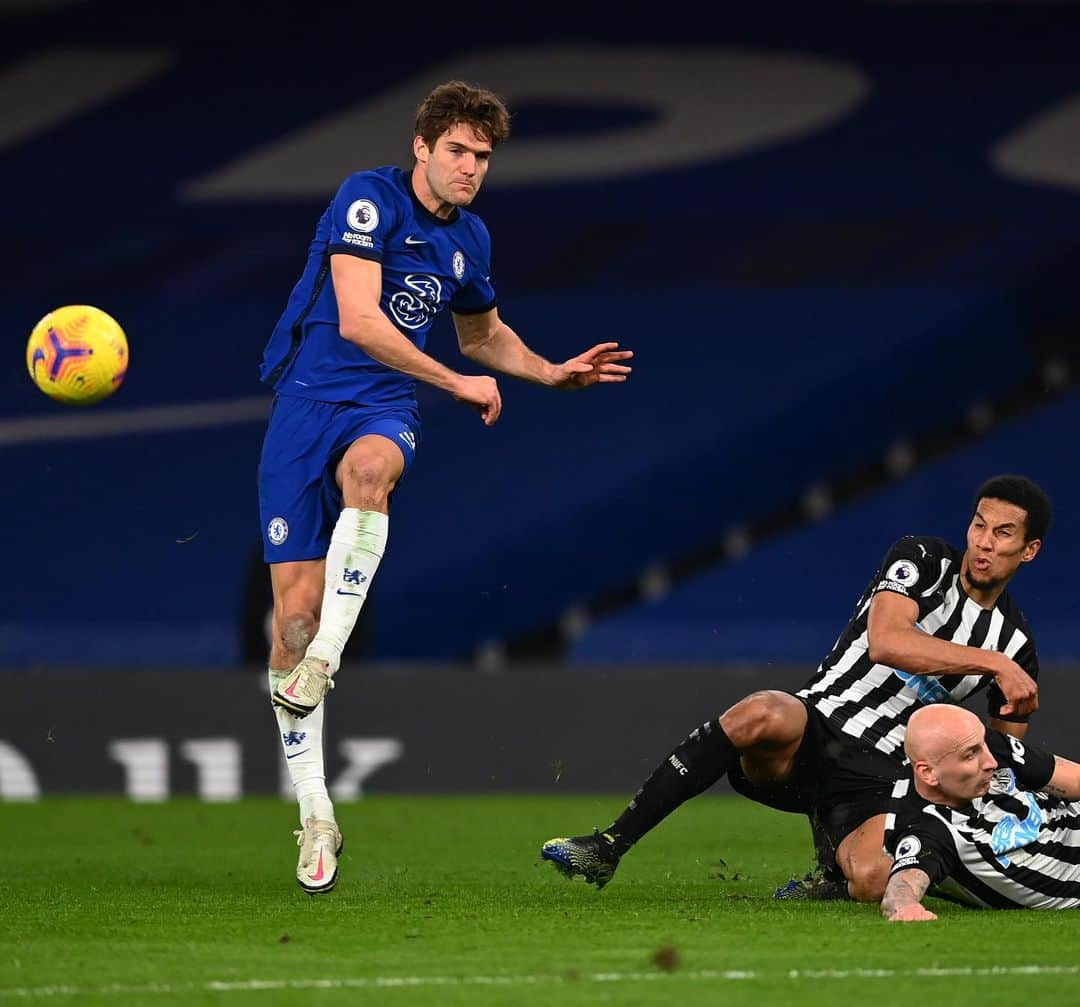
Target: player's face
{"x": 995, "y": 544}
{"x": 965, "y": 772}
{"x": 455, "y": 167}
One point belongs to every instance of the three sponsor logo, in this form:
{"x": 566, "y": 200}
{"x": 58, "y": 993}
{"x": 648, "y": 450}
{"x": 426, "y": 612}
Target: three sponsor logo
{"x": 415, "y": 307}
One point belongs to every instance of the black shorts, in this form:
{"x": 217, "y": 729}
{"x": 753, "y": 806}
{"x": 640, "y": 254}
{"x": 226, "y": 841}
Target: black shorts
{"x": 837, "y": 780}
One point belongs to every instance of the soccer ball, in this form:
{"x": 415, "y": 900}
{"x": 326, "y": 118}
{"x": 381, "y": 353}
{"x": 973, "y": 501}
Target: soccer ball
{"x": 77, "y": 355}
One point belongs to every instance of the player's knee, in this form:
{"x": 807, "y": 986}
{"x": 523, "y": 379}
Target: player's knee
{"x": 762, "y": 718}
{"x": 866, "y": 868}
{"x": 867, "y": 882}
{"x": 367, "y": 480}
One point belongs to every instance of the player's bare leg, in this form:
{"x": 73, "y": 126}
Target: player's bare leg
{"x": 298, "y": 591}
{"x": 366, "y": 474}
{"x": 766, "y": 729}
{"x": 298, "y": 595}
{"x": 762, "y": 732}
{"x": 864, "y": 863}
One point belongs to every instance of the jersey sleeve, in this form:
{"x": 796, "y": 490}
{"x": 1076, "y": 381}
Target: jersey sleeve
{"x": 921, "y": 841}
{"x": 1032, "y": 765}
{"x": 1027, "y": 658}
{"x": 911, "y": 567}
{"x": 363, "y": 213}
{"x": 477, "y": 295}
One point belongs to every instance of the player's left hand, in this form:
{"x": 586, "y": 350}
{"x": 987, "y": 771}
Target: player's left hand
{"x": 596, "y": 366}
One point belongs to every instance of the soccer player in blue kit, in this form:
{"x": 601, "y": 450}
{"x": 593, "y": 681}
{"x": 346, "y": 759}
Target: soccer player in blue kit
{"x": 392, "y": 250}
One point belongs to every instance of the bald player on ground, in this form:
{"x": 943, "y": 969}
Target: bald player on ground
{"x": 984, "y": 818}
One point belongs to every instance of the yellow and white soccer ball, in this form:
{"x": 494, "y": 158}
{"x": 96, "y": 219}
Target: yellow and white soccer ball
{"x": 77, "y": 355}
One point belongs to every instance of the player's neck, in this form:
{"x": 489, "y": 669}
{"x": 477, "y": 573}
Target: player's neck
{"x": 427, "y": 199}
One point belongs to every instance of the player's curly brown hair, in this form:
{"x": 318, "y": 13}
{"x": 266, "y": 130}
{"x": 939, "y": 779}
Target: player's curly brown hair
{"x": 459, "y": 102}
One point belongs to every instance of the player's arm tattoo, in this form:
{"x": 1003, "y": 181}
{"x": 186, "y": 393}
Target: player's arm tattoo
{"x": 905, "y": 888}
{"x": 1066, "y": 780}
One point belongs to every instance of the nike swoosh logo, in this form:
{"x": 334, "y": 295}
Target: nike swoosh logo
{"x": 351, "y": 594}
{"x": 410, "y": 240}
{"x": 295, "y": 754}
{"x": 318, "y": 875}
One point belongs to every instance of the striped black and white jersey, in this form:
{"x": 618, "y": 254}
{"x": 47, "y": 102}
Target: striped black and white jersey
{"x": 1013, "y": 848}
{"x": 873, "y": 702}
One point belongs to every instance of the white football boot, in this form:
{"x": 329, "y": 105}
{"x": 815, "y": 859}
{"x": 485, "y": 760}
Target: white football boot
{"x": 320, "y": 844}
{"x": 304, "y": 688}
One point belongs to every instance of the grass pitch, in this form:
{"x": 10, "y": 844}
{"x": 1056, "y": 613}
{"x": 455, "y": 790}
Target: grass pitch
{"x": 445, "y": 901}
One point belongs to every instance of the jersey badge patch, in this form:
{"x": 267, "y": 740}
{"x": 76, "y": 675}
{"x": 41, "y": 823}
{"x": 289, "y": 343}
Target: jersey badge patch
{"x": 908, "y": 848}
{"x": 363, "y": 216}
{"x": 903, "y": 573}
{"x": 1003, "y": 782}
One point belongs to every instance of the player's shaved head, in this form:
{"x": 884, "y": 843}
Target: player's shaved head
{"x": 947, "y": 749}
{"x": 934, "y": 731}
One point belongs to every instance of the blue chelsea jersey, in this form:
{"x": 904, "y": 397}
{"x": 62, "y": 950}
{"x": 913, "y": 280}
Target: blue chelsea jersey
{"x": 428, "y": 264}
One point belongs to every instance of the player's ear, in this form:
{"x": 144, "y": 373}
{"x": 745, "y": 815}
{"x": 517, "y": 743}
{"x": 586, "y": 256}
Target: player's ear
{"x": 420, "y": 149}
{"x": 1031, "y": 550}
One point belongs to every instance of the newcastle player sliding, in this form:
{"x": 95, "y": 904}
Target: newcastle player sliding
{"x": 935, "y": 625}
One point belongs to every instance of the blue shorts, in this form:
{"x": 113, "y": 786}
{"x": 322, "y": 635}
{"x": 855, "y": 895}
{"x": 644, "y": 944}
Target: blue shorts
{"x": 299, "y": 499}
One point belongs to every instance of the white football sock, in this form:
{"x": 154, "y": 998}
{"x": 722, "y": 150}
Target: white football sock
{"x": 356, "y": 547}
{"x": 301, "y": 741}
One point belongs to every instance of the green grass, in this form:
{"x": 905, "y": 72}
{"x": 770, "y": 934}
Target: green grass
{"x": 444, "y": 901}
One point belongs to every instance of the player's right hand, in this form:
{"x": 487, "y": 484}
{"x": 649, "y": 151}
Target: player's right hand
{"x": 482, "y": 393}
{"x": 1019, "y": 689}
{"x": 911, "y": 913}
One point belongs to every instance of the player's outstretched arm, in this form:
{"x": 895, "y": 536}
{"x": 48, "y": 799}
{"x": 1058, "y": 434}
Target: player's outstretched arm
{"x": 489, "y": 341}
{"x": 357, "y": 286}
{"x": 903, "y": 897}
{"x": 894, "y": 640}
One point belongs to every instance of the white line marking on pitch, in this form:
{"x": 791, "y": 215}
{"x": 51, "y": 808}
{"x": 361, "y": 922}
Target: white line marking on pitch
{"x": 76, "y": 425}
{"x": 392, "y": 982}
